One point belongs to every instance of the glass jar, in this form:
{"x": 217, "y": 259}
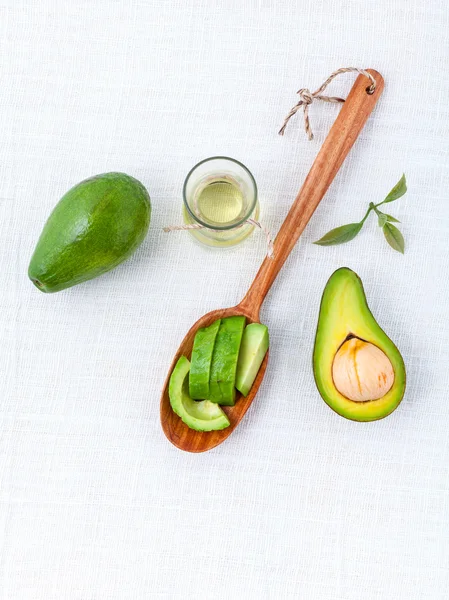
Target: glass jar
{"x": 220, "y": 196}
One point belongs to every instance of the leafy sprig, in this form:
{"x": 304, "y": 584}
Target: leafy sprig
{"x": 346, "y": 233}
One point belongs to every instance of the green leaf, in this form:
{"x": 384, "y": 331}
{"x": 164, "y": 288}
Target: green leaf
{"x": 382, "y": 219}
{"x": 391, "y": 219}
{"x": 340, "y": 235}
{"x": 394, "y": 237}
{"x": 399, "y": 190}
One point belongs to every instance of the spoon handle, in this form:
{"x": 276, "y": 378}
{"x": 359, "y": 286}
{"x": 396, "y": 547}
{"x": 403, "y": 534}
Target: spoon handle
{"x": 341, "y": 137}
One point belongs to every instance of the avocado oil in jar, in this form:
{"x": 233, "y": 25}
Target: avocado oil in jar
{"x": 220, "y": 195}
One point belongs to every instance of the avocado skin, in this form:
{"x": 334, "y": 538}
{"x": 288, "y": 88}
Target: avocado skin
{"x": 344, "y": 312}
{"x": 224, "y": 360}
{"x": 201, "y": 416}
{"x": 95, "y": 226}
{"x": 203, "y": 347}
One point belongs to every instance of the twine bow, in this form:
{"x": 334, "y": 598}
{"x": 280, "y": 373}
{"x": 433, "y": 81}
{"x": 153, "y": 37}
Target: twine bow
{"x": 307, "y": 97}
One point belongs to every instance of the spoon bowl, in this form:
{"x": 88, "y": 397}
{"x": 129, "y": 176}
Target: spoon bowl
{"x": 353, "y": 116}
{"x": 174, "y": 428}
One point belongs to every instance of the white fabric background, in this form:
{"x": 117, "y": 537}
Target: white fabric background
{"x": 299, "y": 503}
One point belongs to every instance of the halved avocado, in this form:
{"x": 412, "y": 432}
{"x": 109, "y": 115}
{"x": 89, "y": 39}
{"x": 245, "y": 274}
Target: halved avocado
{"x": 201, "y": 416}
{"x": 344, "y": 315}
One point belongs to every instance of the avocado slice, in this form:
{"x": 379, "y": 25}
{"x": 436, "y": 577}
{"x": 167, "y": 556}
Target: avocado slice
{"x": 254, "y": 346}
{"x": 352, "y": 353}
{"x": 201, "y": 416}
{"x": 224, "y": 360}
{"x": 203, "y": 347}
{"x": 95, "y": 226}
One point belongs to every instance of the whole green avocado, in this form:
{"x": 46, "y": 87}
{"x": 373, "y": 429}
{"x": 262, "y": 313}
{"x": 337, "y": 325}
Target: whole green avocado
{"x": 95, "y": 226}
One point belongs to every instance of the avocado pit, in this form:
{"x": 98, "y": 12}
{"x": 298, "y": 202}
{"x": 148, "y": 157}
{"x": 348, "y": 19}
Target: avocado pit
{"x": 361, "y": 371}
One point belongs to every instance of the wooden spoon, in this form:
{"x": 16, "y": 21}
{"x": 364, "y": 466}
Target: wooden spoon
{"x": 339, "y": 141}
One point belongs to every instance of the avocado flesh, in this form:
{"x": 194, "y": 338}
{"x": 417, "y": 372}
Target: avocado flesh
{"x": 224, "y": 360}
{"x": 344, "y": 313}
{"x": 203, "y": 347}
{"x": 201, "y": 416}
{"x": 95, "y": 226}
{"x": 252, "y": 352}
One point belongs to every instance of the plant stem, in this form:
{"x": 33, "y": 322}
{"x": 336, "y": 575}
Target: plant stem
{"x": 380, "y": 203}
{"x": 371, "y": 206}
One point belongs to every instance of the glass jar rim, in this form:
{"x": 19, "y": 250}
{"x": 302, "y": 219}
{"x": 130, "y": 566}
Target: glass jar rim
{"x": 250, "y": 208}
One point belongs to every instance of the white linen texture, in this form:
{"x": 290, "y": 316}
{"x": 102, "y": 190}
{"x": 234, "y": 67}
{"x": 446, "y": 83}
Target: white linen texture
{"x": 95, "y": 504}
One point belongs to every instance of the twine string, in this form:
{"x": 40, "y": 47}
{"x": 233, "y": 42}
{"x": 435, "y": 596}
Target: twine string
{"x": 270, "y": 245}
{"x": 307, "y": 97}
